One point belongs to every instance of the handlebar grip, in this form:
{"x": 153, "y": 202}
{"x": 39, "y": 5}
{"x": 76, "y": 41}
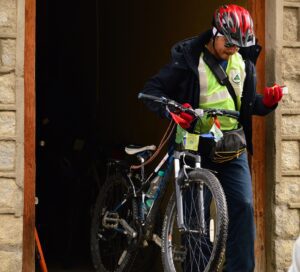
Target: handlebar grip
{"x": 147, "y": 96}
{"x": 232, "y": 113}
{"x": 222, "y": 112}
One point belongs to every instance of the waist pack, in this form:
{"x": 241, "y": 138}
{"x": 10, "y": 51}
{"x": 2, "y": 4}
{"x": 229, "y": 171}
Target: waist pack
{"x": 230, "y": 146}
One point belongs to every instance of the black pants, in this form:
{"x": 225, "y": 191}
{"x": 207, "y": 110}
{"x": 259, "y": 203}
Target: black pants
{"x": 236, "y": 182}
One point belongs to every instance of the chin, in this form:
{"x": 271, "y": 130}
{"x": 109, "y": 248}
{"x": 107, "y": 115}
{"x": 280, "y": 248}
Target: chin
{"x": 225, "y": 57}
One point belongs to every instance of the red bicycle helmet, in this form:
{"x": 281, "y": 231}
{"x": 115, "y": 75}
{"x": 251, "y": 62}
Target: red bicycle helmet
{"x": 235, "y": 23}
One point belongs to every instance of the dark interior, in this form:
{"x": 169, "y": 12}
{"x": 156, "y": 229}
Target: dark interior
{"x": 93, "y": 57}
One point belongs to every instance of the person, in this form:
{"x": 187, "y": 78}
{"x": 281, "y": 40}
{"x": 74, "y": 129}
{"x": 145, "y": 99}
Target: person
{"x": 295, "y": 266}
{"x": 190, "y": 79}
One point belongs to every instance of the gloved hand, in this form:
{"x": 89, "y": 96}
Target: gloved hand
{"x": 186, "y": 116}
{"x": 272, "y": 95}
{"x": 184, "y": 119}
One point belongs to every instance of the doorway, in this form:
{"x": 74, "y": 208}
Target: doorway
{"x": 92, "y": 60}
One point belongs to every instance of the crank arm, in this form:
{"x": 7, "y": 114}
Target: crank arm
{"x": 156, "y": 239}
{"x": 128, "y": 230}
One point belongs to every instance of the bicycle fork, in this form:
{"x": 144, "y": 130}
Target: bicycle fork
{"x": 180, "y": 177}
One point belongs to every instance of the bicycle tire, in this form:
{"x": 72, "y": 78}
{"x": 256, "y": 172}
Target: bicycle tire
{"x": 176, "y": 254}
{"x": 110, "y": 249}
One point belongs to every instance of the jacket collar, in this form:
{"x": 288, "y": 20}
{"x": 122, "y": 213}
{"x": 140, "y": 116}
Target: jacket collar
{"x": 188, "y": 51}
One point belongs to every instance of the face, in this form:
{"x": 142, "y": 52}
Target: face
{"x": 221, "y": 48}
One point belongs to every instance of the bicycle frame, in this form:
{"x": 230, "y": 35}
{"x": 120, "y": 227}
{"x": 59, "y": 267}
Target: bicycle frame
{"x": 145, "y": 218}
{"x": 148, "y": 220}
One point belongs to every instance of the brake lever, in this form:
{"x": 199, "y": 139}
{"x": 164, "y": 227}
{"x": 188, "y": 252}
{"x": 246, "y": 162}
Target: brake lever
{"x": 173, "y": 106}
{"x": 164, "y": 100}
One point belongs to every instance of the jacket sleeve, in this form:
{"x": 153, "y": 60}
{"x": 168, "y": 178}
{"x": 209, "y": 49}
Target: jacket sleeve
{"x": 258, "y": 108}
{"x": 165, "y": 83}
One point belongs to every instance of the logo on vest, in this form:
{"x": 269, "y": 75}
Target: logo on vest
{"x": 236, "y": 78}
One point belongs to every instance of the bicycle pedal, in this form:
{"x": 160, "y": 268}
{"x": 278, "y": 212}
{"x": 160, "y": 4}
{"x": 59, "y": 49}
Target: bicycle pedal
{"x": 108, "y": 225}
{"x": 110, "y": 220}
{"x": 179, "y": 254}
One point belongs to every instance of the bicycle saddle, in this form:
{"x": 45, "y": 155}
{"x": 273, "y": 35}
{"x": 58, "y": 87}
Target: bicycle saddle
{"x": 132, "y": 149}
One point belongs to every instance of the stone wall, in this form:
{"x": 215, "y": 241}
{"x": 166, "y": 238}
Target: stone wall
{"x": 283, "y": 36}
{"x": 283, "y": 192}
{"x": 11, "y": 133}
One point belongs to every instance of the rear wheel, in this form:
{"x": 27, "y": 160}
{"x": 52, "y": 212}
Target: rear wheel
{"x": 112, "y": 248}
{"x": 201, "y": 246}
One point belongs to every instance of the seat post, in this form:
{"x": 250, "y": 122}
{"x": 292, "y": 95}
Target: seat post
{"x": 142, "y": 160}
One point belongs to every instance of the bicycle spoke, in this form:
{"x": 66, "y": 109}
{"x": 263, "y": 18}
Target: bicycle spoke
{"x": 198, "y": 241}
{"x": 111, "y": 239}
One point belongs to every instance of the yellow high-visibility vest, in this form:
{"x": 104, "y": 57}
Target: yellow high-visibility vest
{"x": 214, "y": 95}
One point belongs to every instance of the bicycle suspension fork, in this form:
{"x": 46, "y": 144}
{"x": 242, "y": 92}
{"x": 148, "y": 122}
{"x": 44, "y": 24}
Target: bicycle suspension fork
{"x": 180, "y": 176}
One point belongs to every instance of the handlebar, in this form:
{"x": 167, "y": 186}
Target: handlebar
{"x": 175, "y": 106}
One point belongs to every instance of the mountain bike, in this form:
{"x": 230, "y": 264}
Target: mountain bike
{"x": 195, "y": 223}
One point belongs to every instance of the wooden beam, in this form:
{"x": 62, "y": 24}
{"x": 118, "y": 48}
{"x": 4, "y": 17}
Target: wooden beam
{"x": 29, "y": 138}
{"x": 258, "y": 161}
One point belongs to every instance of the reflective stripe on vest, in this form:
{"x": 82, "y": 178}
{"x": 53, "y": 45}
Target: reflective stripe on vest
{"x": 214, "y": 95}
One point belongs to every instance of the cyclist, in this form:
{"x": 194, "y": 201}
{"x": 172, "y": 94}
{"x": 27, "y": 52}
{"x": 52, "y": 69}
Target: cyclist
{"x": 193, "y": 77}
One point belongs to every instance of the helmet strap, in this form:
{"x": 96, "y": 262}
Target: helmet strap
{"x": 214, "y": 38}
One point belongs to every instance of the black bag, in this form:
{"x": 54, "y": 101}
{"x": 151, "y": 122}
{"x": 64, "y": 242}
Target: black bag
{"x": 230, "y": 146}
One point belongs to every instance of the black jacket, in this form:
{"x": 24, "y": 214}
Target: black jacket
{"x": 179, "y": 80}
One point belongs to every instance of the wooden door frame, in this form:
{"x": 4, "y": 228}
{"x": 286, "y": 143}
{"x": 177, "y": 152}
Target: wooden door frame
{"x": 258, "y": 163}
{"x": 28, "y": 264}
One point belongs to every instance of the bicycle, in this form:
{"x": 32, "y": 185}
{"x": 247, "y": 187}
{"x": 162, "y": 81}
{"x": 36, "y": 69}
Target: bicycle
{"x": 195, "y": 223}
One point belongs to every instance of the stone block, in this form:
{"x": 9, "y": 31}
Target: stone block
{"x": 8, "y": 16}
{"x": 11, "y": 231}
{"x": 287, "y": 222}
{"x": 290, "y": 125}
{"x": 290, "y": 155}
{"x": 290, "y": 24}
{"x": 292, "y": 99}
{"x": 288, "y": 190}
{"x": 290, "y": 63}
{"x": 8, "y": 52}
{"x": 7, "y": 155}
{"x": 11, "y": 261}
{"x": 10, "y": 195}
{"x": 7, "y": 123}
{"x": 7, "y": 89}
{"x": 283, "y": 254}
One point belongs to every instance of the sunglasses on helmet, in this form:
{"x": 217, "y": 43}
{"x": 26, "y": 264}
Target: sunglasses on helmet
{"x": 229, "y": 44}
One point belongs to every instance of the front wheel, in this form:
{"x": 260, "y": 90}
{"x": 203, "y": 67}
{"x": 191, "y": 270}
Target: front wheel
{"x": 200, "y": 245}
{"x": 112, "y": 247}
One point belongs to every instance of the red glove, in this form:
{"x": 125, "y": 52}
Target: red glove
{"x": 183, "y": 119}
{"x": 186, "y": 116}
{"x": 272, "y": 95}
